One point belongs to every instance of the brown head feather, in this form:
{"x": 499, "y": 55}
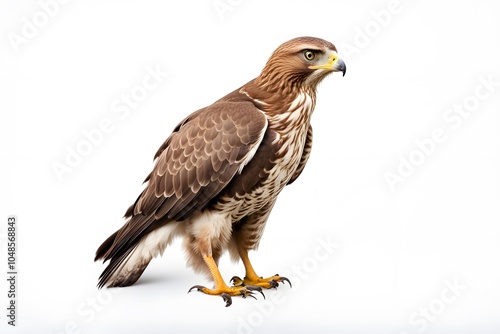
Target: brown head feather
{"x": 287, "y": 71}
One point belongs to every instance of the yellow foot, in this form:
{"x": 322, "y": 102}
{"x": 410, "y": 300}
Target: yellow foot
{"x": 267, "y": 283}
{"x": 226, "y": 292}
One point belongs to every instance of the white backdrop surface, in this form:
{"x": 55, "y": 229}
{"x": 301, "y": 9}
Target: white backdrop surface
{"x": 394, "y": 226}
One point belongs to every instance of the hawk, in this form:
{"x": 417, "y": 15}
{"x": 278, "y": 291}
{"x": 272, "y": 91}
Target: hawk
{"x": 217, "y": 176}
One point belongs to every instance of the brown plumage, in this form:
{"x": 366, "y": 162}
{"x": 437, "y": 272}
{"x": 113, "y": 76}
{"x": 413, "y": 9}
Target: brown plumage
{"x": 217, "y": 176}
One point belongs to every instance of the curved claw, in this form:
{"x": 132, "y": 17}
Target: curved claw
{"x": 274, "y": 284}
{"x": 198, "y": 287}
{"x": 234, "y": 278}
{"x": 250, "y": 294}
{"x": 284, "y": 279}
{"x": 227, "y": 299}
{"x": 256, "y": 288}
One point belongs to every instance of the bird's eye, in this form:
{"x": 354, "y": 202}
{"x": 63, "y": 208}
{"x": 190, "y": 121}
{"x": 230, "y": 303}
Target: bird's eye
{"x": 309, "y": 55}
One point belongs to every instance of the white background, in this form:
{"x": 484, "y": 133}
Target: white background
{"x": 397, "y": 250}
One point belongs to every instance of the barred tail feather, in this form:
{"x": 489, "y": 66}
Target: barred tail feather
{"x": 124, "y": 270}
{"x": 128, "y": 263}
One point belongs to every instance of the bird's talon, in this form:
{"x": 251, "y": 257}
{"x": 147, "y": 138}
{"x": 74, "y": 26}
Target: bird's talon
{"x": 258, "y": 289}
{"x": 227, "y": 299}
{"x": 274, "y": 284}
{"x": 237, "y": 281}
{"x": 284, "y": 279}
{"x": 267, "y": 283}
{"x": 198, "y": 287}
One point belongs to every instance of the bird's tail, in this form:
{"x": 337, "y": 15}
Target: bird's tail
{"x": 101, "y": 252}
{"x": 125, "y": 268}
{"x": 128, "y": 260}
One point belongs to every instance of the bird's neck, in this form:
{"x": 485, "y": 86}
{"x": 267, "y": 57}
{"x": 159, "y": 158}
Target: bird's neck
{"x": 283, "y": 83}
{"x": 286, "y": 107}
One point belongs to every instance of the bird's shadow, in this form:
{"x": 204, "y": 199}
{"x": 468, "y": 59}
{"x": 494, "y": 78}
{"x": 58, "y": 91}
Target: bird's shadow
{"x": 160, "y": 279}
{"x": 153, "y": 279}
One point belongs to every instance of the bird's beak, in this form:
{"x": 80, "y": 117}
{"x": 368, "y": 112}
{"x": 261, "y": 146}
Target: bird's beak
{"x": 334, "y": 64}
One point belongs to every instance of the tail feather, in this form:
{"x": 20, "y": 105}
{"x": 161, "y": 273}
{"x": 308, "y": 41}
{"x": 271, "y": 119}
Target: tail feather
{"x": 125, "y": 267}
{"x": 105, "y": 247}
{"x": 127, "y": 261}
{"x": 123, "y": 270}
{"x": 124, "y": 251}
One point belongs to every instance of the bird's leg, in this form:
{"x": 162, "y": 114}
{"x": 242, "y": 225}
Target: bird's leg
{"x": 252, "y": 279}
{"x": 221, "y": 288}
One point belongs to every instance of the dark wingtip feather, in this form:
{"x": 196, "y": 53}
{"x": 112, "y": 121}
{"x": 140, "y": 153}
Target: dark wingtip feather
{"x": 113, "y": 265}
{"x": 104, "y": 248}
{"x": 120, "y": 281}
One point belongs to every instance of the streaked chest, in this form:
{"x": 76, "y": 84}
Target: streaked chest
{"x": 291, "y": 128}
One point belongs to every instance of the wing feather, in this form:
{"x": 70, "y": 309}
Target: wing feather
{"x": 202, "y": 155}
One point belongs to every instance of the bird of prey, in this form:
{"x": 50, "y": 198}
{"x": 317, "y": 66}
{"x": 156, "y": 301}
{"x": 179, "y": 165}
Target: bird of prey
{"x": 217, "y": 176}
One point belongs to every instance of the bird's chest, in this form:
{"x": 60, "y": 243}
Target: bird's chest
{"x": 290, "y": 131}
{"x": 288, "y": 156}
{"x": 291, "y": 128}
{"x": 272, "y": 180}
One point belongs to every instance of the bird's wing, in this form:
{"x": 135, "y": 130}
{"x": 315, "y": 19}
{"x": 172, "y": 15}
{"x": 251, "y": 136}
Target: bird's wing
{"x": 305, "y": 155}
{"x": 201, "y": 156}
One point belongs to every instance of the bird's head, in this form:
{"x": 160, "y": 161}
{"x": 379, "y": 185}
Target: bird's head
{"x": 300, "y": 63}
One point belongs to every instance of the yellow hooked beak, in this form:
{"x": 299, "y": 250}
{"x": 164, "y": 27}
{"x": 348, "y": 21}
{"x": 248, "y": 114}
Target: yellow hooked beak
{"x": 334, "y": 64}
